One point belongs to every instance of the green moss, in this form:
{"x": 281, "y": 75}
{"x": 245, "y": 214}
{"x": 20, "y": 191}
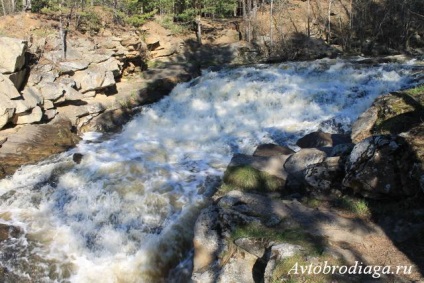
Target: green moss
{"x": 353, "y": 205}
{"x": 416, "y": 91}
{"x": 248, "y": 178}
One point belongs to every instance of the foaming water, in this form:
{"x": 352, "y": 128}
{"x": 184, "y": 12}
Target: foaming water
{"x": 125, "y": 213}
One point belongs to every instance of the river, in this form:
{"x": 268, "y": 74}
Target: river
{"x": 125, "y": 213}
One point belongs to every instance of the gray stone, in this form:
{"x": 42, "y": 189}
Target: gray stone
{"x": 72, "y": 66}
{"x": 325, "y": 175}
{"x": 273, "y": 165}
{"x": 362, "y": 128}
{"x": 7, "y": 88}
{"x": 48, "y": 104}
{"x": 268, "y": 150}
{"x": 112, "y": 65}
{"x": 22, "y": 106}
{"x": 321, "y": 139}
{"x": 95, "y": 108}
{"x": 278, "y": 253}
{"x": 6, "y": 105}
{"x": 51, "y": 91}
{"x": 28, "y": 118}
{"x": 373, "y": 169}
{"x": 253, "y": 246}
{"x": 72, "y": 94}
{"x": 94, "y": 78}
{"x": 12, "y": 54}
{"x": 32, "y": 96}
{"x": 50, "y": 114}
{"x": 303, "y": 158}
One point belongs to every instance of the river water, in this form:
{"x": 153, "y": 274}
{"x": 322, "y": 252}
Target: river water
{"x": 125, "y": 213}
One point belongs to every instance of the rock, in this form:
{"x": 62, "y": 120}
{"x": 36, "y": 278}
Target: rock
{"x": 33, "y": 143}
{"x": 7, "y": 109}
{"x": 321, "y": 139}
{"x": 12, "y": 54}
{"x": 50, "y": 114}
{"x": 32, "y": 96}
{"x": 278, "y": 253}
{"x": 28, "y": 118}
{"x": 8, "y": 231}
{"x": 18, "y": 78}
{"x": 50, "y": 91}
{"x": 94, "y": 78}
{"x": 152, "y": 41}
{"x": 342, "y": 150}
{"x": 77, "y": 158}
{"x": 48, "y": 104}
{"x": 303, "y": 158}
{"x": 111, "y": 65}
{"x": 72, "y": 66}
{"x": 325, "y": 175}
{"x": 2, "y": 140}
{"x": 7, "y": 88}
{"x": 253, "y": 246}
{"x": 362, "y": 128}
{"x": 22, "y": 106}
{"x": 268, "y": 150}
{"x": 72, "y": 94}
{"x": 206, "y": 239}
{"x": 373, "y": 169}
{"x": 272, "y": 165}
{"x": 95, "y": 108}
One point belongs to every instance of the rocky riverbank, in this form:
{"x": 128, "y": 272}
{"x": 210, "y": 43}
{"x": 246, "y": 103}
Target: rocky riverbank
{"x": 338, "y": 200}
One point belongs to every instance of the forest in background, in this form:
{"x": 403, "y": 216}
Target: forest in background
{"x": 278, "y": 25}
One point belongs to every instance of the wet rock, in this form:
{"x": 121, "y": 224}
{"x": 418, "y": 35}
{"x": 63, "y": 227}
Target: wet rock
{"x": 7, "y": 88}
{"x": 32, "y": 143}
{"x": 362, "y": 128}
{"x": 206, "y": 240}
{"x": 8, "y": 231}
{"x": 342, "y": 150}
{"x": 321, "y": 139}
{"x": 12, "y": 54}
{"x": 373, "y": 169}
{"x": 34, "y": 116}
{"x": 77, "y": 158}
{"x": 268, "y": 150}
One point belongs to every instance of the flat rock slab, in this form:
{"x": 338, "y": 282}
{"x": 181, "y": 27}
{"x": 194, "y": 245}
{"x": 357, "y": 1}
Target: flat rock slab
{"x": 32, "y": 143}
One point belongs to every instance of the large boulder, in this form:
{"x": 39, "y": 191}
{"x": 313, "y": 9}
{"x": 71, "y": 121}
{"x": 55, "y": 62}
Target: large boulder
{"x": 363, "y": 127}
{"x": 304, "y": 158}
{"x": 94, "y": 78}
{"x": 12, "y": 54}
{"x": 321, "y": 139}
{"x": 325, "y": 175}
{"x": 35, "y": 115}
{"x": 376, "y": 168}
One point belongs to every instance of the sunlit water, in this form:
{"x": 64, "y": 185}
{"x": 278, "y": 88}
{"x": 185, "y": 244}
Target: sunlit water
{"x": 125, "y": 213}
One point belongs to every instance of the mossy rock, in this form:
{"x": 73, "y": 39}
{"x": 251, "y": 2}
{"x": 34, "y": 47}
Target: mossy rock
{"x": 400, "y": 111}
{"x": 247, "y": 178}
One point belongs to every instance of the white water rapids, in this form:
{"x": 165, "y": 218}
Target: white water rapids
{"x": 123, "y": 214}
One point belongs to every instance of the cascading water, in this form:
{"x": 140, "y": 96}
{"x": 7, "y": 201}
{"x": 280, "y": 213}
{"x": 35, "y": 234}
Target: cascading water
{"x": 125, "y": 213}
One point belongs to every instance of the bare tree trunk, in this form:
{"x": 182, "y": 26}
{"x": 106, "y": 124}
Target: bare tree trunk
{"x": 12, "y": 4}
{"x": 329, "y": 22}
{"x": 4, "y": 8}
{"x": 62, "y": 31}
{"x": 309, "y": 18}
{"x": 270, "y": 27}
{"x": 199, "y": 30}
